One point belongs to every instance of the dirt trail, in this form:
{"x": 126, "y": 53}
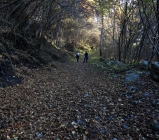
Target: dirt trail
{"x": 71, "y": 101}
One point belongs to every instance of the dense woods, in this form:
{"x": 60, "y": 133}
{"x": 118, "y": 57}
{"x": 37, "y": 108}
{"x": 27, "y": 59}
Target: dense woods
{"x": 130, "y": 30}
{"x": 54, "y": 20}
{"x": 123, "y": 30}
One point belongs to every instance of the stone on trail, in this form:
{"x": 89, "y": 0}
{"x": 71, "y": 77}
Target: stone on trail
{"x": 154, "y": 103}
{"x": 154, "y": 72}
{"x": 155, "y": 127}
{"x": 116, "y": 62}
{"x": 97, "y": 117}
{"x": 79, "y": 122}
{"x": 126, "y": 127}
{"x": 132, "y": 77}
{"x": 146, "y": 94}
{"x": 133, "y": 89}
{"x": 39, "y": 135}
{"x": 2, "y": 122}
{"x": 102, "y": 130}
{"x": 144, "y": 65}
{"x": 86, "y": 95}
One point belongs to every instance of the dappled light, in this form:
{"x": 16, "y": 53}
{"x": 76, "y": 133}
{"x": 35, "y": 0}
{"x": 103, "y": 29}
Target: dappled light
{"x": 79, "y": 69}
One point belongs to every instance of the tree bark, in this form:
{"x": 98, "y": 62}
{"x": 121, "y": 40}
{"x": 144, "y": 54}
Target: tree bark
{"x": 102, "y": 37}
{"x": 157, "y": 28}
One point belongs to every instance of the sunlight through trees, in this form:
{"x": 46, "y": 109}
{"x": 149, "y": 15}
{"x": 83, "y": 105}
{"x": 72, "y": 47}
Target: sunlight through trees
{"x": 126, "y": 30}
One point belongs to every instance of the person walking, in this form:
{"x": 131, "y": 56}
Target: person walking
{"x": 77, "y": 56}
{"x": 85, "y": 57}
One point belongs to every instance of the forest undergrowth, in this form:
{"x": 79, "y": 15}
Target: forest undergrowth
{"x": 78, "y": 101}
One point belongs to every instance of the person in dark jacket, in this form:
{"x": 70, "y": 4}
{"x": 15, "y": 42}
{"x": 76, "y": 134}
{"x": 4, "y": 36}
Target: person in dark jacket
{"x": 85, "y": 57}
{"x": 77, "y": 56}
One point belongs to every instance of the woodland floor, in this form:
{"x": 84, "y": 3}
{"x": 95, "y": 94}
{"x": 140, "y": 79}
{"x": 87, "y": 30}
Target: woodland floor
{"x": 77, "y": 101}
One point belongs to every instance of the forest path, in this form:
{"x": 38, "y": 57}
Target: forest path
{"x": 73, "y": 101}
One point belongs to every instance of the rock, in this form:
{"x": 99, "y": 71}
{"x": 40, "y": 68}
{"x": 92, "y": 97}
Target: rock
{"x": 86, "y": 95}
{"x": 79, "y": 113}
{"x": 154, "y": 72}
{"x": 155, "y": 65}
{"x": 97, "y": 117}
{"x": 73, "y": 132}
{"x": 39, "y": 135}
{"x": 79, "y": 122}
{"x": 116, "y": 63}
{"x": 147, "y": 72}
{"x": 132, "y": 77}
{"x": 133, "y": 89}
{"x": 15, "y": 138}
{"x": 155, "y": 127}
{"x": 132, "y": 115}
{"x": 126, "y": 119}
{"x": 109, "y": 63}
{"x": 126, "y": 127}
{"x": 8, "y": 138}
{"x": 75, "y": 125}
{"x": 1, "y": 72}
{"x": 129, "y": 72}
{"x": 129, "y": 97}
{"x": 146, "y": 94}
{"x": 154, "y": 103}
{"x": 123, "y": 93}
{"x": 135, "y": 102}
{"x": 2, "y": 122}
{"x": 102, "y": 130}
{"x": 144, "y": 65}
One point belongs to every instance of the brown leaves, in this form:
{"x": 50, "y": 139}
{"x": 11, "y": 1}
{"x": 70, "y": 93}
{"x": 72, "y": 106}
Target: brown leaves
{"x": 73, "y": 103}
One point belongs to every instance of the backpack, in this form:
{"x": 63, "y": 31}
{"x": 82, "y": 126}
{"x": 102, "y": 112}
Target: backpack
{"x": 77, "y": 54}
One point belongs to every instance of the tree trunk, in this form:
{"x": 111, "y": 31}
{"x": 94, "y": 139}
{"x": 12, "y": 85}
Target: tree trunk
{"x": 102, "y": 37}
{"x": 158, "y": 28}
{"x": 114, "y": 44}
{"x": 124, "y": 34}
{"x": 138, "y": 54}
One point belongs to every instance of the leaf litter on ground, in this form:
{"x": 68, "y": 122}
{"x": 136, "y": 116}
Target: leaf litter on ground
{"x": 77, "y": 101}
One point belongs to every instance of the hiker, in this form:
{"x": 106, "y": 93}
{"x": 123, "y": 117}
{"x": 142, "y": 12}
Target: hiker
{"x": 77, "y": 56}
{"x": 85, "y": 57}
